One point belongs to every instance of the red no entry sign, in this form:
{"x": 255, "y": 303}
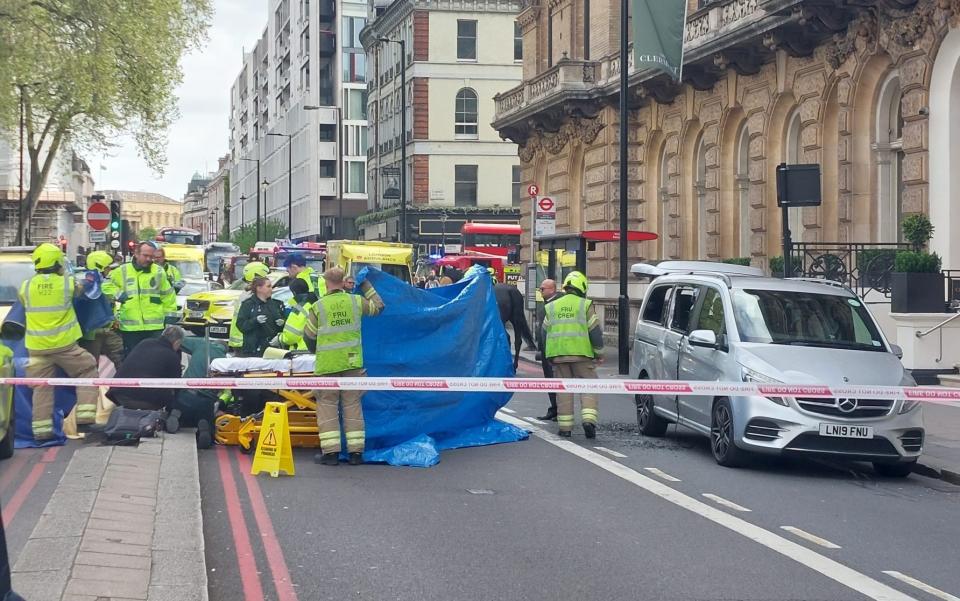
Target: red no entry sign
{"x": 546, "y": 204}
{"x": 98, "y": 216}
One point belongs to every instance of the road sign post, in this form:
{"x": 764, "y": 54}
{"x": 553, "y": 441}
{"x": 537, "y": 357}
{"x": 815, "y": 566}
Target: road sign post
{"x": 545, "y": 221}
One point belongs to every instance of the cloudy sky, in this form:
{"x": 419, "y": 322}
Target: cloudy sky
{"x": 200, "y": 136}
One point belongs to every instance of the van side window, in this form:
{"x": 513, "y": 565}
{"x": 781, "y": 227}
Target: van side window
{"x": 711, "y": 313}
{"x": 685, "y": 299}
{"x": 657, "y": 302}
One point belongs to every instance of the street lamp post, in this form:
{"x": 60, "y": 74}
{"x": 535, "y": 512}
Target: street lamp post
{"x": 257, "y": 161}
{"x": 289, "y": 138}
{"x": 403, "y": 135}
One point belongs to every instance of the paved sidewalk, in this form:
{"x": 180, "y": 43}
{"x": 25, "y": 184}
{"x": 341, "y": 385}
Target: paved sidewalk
{"x": 941, "y": 454}
{"x": 123, "y": 523}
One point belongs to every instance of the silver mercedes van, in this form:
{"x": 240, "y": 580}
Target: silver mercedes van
{"x": 715, "y": 322}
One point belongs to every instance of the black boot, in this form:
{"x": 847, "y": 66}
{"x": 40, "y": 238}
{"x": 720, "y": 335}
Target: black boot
{"x": 327, "y": 458}
{"x": 590, "y": 430}
{"x": 204, "y": 436}
{"x": 356, "y": 458}
{"x": 172, "y": 423}
{"x": 551, "y": 415}
{"x": 565, "y": 433}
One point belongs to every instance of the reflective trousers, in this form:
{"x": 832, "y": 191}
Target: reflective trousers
{"x": 585, "y": 369}
{"x": 76, "y": 363}
{"x": 328, "y": 415}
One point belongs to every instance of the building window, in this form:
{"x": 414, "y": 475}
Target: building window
{"x": 516, "y": 185}
{"x": 356, "y": 178}
{"x": 352, "y": 26}
{"x": 328, "y": 132}
{"x": 327, "y": 169}
{"x": 517, "y": 42}
{"x": 466, "y": 40}
{"x": 794, "y": 153}
{"x": 889, "y": 159}
{"x": 465, "y": 185}
{"x": 354, "y": 67}
{"x": 355, "y": 104}
{"x": 466, "y": 114}
{"x": 743, "y": 190}
{"x": 700, "y": 192}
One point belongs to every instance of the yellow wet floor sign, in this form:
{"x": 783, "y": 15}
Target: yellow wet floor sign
{"x": 274, "y": 452}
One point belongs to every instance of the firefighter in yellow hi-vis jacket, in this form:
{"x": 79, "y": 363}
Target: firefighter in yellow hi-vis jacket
{"x": 52, "y": 332}
{"x": 574, "y": 340}
{"x": 334, "y": 325}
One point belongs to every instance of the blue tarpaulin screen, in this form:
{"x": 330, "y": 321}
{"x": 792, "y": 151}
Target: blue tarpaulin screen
{"x": 450, "y": 331}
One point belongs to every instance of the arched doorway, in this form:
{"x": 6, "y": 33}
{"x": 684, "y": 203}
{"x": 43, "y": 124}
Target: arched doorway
{"x": 945, "y": 150}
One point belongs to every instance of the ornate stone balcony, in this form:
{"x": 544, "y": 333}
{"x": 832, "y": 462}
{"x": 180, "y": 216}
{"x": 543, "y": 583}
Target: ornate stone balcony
{"x": 738, "y": 34}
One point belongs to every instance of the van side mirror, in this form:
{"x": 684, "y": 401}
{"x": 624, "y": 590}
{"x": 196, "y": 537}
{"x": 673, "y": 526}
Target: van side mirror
{"x": 897, "y": 350}
{"x": 703, "y": 339}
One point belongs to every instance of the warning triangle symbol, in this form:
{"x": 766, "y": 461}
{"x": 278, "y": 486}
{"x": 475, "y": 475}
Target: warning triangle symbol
{"x": 271, "y": 439}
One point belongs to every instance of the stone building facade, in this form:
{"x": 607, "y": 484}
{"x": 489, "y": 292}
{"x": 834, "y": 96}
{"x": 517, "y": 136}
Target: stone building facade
{"x": 870, "y": 90}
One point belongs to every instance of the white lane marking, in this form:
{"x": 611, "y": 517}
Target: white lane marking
{"x": 662, "y": 474}
{"x": 923, "y": 586}
{"x": 813, "y": 538}
{"x": 534, "y": 420}
{"x": 721, "y": 501}
{"x": 820, "y": 563}
{"x": 511, "y": 411}
{"x": 611, "y": 453}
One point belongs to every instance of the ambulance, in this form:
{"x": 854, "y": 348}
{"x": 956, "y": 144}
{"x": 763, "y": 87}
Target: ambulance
{"x": 390, "y": 257}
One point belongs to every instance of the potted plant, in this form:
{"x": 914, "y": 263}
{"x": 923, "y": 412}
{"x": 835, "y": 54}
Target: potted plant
{"x": 916, "y": 283}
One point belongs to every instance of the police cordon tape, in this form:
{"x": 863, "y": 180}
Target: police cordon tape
{"x": 571, "y": 385}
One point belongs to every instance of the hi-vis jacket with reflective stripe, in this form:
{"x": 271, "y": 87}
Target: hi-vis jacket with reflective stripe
{"x": 335, "y": 323}
{"x": 567, "y": 324}
{"x": 149, "y": 297}
{"x": 292, "y": 335}
{"x": 47, "y": 300}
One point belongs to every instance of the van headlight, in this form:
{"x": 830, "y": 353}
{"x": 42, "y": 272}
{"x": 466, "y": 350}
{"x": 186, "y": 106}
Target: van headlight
{"x": 755, "y": 377}
{"x": 908, "y": 405}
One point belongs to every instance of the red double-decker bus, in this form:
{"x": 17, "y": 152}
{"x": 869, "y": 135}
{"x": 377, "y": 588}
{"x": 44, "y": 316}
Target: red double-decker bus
{"x": 501, "y": 239}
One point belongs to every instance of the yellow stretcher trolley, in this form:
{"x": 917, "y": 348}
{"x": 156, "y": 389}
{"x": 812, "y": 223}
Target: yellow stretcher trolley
{"x": 242, "y": 430}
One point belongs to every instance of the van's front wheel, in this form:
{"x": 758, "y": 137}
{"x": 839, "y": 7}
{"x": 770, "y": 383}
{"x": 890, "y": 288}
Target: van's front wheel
{"x": 722, "y": 444}
{"x": 648, "y": 422}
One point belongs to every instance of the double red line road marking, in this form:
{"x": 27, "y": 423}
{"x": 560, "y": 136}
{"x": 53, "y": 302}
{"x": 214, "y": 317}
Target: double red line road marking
{"x": 246, "y": 560}
{"x": 13, "y": 467}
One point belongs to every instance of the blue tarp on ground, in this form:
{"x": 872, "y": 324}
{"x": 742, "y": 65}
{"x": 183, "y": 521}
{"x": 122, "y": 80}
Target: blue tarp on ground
{"x": 451, "y": 331}
{"x": 63, "y": 398}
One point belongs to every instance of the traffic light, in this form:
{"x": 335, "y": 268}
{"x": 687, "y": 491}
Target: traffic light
{"x": 114, "y": 215}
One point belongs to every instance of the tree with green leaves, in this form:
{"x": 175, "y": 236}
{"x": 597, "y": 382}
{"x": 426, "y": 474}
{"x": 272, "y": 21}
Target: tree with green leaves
{"x": 147, "y": 233}
{"x": 86, "y": 72}
{"x": 246, "y": 236}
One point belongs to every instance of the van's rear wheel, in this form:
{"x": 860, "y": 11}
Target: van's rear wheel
{"x": 722, "y": 438}
{"x": 648, "y": 422}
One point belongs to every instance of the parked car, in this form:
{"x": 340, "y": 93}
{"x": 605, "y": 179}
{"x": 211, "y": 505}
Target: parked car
{"x": 710, "y": 321}
{"x": 213, "y": 310}
{"x": 6, "y": 592}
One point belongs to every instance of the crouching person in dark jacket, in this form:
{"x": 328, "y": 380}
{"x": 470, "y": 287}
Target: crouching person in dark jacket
{"x": 152, "y": 358}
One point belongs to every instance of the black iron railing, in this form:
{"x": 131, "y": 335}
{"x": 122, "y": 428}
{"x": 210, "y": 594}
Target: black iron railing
{"x": 864, "y": 267}
{"x": 952, "y": 276}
